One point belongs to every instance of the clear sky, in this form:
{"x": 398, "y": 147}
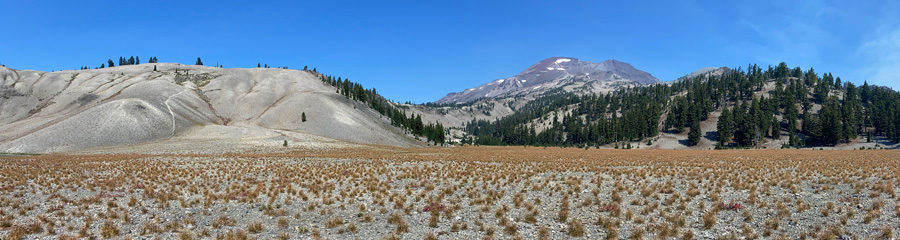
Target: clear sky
{"x": 421, "y": 50}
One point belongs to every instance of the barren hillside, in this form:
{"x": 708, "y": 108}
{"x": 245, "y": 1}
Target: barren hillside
{"x": 67, "y": 110}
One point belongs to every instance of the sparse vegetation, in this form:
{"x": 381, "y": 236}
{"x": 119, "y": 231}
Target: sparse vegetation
{"x": 453, "y": 192}
{"x": 255, "y": 226}
{"x": 576, "y": 228}
{"x": 334, "y": 222}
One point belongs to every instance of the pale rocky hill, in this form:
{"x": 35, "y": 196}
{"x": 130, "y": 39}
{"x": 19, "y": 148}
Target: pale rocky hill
{"x": 43, "y": 112}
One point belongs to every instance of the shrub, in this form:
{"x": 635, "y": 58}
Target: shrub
{"x": 238, "y": 234}
{"x": 434, "y": 219}
{"x": 394, "y": 218}
{"x": 433, "y": 207}
{"x": 510, "y": 228}
{"x": 283, "y": 222}
{"x": 576, "y": 228}
{"x": 109, "y": 230}
{"x": 531, "y": 216}
{"x": 562, "y": 215}
{"x": 20, "y": 231}
{"x": 430, "y": 236}
{"x": 886, "y": 232}
{"x": 402, "y": 226}
{"x": 334, "y": 222}
{"x": 255, "y": 226}
{"x": 223, "y": 221}
{"x": 730, "y": 206}
{"x": 184, "y": 234}
{"x": 283, "y": 236}
{"x": 607, "y": 208}
{"x": 351, "y": 227}
{"x": 709, "y": 219}
{"x": 543, "y": 232}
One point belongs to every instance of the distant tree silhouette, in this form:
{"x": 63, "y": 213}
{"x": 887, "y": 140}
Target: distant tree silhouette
{"x": 199, "y": 62}
{"x": 109, "y": 63}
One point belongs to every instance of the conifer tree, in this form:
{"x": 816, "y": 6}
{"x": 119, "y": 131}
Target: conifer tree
{"x": 776, "y": 128}
{"x": 758, "y": 124}
{"x": 812, "y": 128}
{"x": 725, "y": 126}
{"x": 830, "y": 119}
{"x": 199, "y": 62}
{"x": 850, "y": 112}
{"x": 791, "y": 115}
{"x": 695, "y": 134}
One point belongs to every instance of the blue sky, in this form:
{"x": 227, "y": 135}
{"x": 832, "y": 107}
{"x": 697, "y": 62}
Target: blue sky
{"x": 421, "y": 50}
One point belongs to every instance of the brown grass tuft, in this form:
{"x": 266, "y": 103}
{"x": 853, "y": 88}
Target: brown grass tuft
{"x": 255, "y": 226}
{"x": 575, "y": 228}
{"x": 334, "y": 222}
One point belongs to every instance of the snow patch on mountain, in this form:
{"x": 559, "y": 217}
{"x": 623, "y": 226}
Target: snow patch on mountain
{"x": 556, "y": 72}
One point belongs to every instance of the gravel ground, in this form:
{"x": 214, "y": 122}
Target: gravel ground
{"x": 454, "y": 193}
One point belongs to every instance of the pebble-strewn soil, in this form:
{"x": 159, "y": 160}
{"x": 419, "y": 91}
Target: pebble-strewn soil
{"x": 455, "y": 193}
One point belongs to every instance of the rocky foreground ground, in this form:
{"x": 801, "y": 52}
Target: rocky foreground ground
{"x": 454, "y": 193}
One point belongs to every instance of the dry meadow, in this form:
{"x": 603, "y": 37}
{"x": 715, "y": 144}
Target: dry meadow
{"x": 455, "y": 193}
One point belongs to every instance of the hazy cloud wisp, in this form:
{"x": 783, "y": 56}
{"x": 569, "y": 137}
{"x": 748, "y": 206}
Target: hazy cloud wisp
{"x": 882, "y": 56}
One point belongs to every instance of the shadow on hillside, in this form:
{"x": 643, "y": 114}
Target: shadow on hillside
{"x": 671, "y": 131}
{"x": 712, "y": 136}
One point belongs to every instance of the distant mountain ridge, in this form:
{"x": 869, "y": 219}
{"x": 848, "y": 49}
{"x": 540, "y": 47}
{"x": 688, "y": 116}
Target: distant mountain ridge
{"x": 557, "y": 72}
{"x": 778, "y": 107}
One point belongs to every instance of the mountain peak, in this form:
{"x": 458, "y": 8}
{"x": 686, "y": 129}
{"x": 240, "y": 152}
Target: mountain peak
{"x": 549, "y": 64}
{"x": 552, "y": 73}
